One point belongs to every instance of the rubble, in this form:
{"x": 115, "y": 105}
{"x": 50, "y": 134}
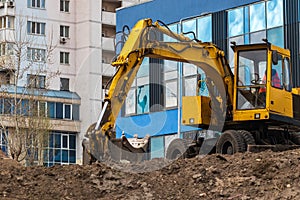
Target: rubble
{"x": 264, "y": 175}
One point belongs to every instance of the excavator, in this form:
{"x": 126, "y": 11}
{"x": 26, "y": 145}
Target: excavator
{"x": 247, "y": 108}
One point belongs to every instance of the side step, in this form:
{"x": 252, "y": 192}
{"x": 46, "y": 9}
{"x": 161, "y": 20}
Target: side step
{"x": 275, "y": 148}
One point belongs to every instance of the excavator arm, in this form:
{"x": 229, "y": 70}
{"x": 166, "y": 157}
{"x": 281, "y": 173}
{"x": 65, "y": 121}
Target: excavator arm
{"x": 146, "y": 40}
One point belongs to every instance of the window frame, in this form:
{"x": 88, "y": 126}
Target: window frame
{"x": 64, "y": 58}
{"x": 64, "y": 111}
{"x": 62, "y": 86}
{"x": 64, "y": 31}
{"x": 40, "y": 4}
{"x": 64, "y": 6}
{"x": 36, "y": 28}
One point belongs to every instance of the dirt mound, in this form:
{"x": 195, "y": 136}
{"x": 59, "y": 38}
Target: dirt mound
{"x": 265, "y": 175}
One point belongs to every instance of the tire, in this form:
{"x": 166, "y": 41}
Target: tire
{"x": 295, "y": 137}
{"x": 230, "y": 142}
{"x": 176, "y": 149}
{"x": 248, "y": 138}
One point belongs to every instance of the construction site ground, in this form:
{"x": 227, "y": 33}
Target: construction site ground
{"x": 265, "y": 175}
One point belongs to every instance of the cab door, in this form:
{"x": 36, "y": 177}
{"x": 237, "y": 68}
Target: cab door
{"x": 280, "y": 99}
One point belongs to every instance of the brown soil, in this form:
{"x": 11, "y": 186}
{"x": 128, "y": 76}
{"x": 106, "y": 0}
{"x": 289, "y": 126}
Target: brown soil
{"x": 265, "y": 175}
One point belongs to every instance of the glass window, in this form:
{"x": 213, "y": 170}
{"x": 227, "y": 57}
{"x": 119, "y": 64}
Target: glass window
{"x": 276, "y": 73}
{"x": 62, "y": 151}
{"x": 72, "y": 158}
{"x": 202, "y": 89}
{"x": 276, "y": 36}
{"x": 204, "y": 26}
{"x": 64, "y": 57}
{"x": 157, "y": 147}
{"x": 190, "y": 86}
{"x": 57, "y": 155}
{"x": 143, "y": 99}
{"x": 189, "y": 26}
{"x": 171, "y": 93}
{"x": 238, "y": 40}
{"x": 75, "y": 112}
{"x": 274, "y": 13}
{"x": 65, "y": 139}
{"x": 59, "y": 110}
{"x": 51, "y": 109}
{"x": 189, "y": 69}
{"x": 130, "y": 102}
{"x": 236, "y": 22}
{"x": 36, "y": 3}
{"x": 72, "y": 141}
{"x": 174, "y": 29}
{"x": 64, "y": 31}
{"x": 171, "y": 83}
{"x": 287, "y": 75}
{"x": 137, "y": 101}
{"x": 257, "y": 17}
{"x": 65, "y": 5}
{"x": 57, "y": 141}
{"x": 67, "y": 111}
{"x": 36, "y": 28}
{"x": 257, "y": 37}
{"x": 65, "y": 156}
{"x": 64, "y": 84}
{"x": 252, "y": 78}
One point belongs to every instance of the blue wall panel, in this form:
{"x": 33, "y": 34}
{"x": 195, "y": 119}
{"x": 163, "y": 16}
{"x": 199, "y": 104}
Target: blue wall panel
{"x": 170, "y": 11}
{"x": 153, "y": 124}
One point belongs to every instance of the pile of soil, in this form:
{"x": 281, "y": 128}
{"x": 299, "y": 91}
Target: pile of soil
{"x": 264, "y": 175}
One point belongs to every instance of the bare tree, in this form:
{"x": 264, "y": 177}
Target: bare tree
{"x": 25, "y": 114}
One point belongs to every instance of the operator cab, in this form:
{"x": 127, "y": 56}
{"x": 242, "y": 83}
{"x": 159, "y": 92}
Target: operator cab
{"x": 262, "y": 82}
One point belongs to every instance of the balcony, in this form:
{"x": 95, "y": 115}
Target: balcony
{"x": 109, "y": 18}
{"x": 7, "y": 8}
{"x": 7, "y": 35}
{"x": 108, "y": 44}
{"x": 55, "y": 124}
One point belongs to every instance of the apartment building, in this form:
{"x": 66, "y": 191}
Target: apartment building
{"x": 72, "y": 41}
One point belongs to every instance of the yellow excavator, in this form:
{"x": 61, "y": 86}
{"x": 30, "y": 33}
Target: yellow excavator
{"x": 251, "y": 106}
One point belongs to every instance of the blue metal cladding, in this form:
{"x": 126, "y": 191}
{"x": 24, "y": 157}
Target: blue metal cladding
{"x": 170, "y": 11}
{"x": 154, "y": 124}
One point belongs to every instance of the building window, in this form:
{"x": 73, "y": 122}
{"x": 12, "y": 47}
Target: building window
{"x": 137, "y": 101}
{"x": 251, "y": 24}
{"x": 36, "y": 3}
{"x": 64, "y": 84}
{"x": 7, "y": 22}
{"x": 4, "y": 77}
{"x": 36, "y": 55}
{"x": 204, "y": 28}
{"x": 59, "y": 110}
{"x": 64, "y": 5}
{"x": 3, "y": 140}
{"x": 36, "y": 81}
{"x": 171, "y": 83}
{"x": 37, "y": 28}
{"x": 6, "y": 49}
{"x": 64, "y": 31}
{"x": 200, "y": 26}
{"x": 61, "y": 149}
{"x": 67, "y": 111}
{"x": 64, "y": 58}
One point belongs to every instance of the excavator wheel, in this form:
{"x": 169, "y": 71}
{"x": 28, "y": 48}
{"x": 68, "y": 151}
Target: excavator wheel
{"x": 230, "y": 142}
{"x": 176, "y": 149}
{"x": 248, "y": 138}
